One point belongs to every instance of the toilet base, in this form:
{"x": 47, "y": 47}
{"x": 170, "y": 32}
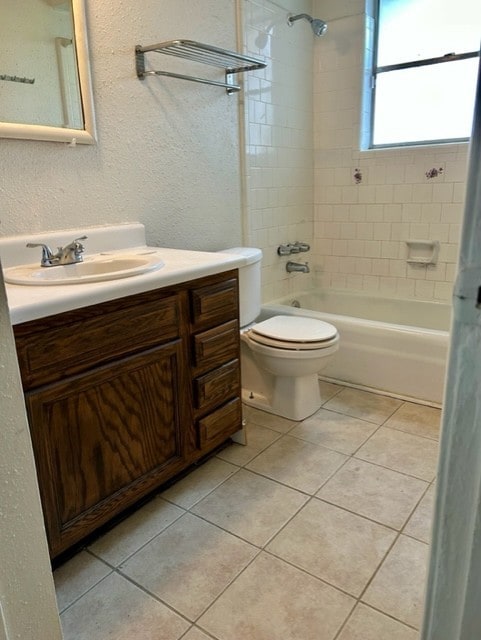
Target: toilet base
{"x": 294, "y": 398}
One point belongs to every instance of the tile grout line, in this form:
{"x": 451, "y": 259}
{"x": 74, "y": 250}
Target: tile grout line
{"x": 398, "y": 536}
{"x": 195, "y": 627}
{"x": 410, "y": 433}
{"x": 152, "y": 595}
{"x": 88, "y": 590}
{"x": 409, "y": 475}
{"x": 402, "y": 530}
{"x": 311, "y": 495}
{"x": 364, "y": 517}
{"x": 144, "y": 544}
{"x": 384, "y": 394}
{"x": 357, "y": 599}
{"x": 116, "y": 568}
{"x": 234, "y": 535}
{"x": 263, "y": 548}
{"x": 389, "y": 615}
{"x": 170, "y": 501}
{"x": 260, "y": 550}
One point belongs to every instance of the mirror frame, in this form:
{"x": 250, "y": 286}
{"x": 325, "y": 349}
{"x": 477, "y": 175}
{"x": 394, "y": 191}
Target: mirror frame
{"x": 88, "y": 134}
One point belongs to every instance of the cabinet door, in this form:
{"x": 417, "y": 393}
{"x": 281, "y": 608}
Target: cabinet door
{"x": 107, "y": 437}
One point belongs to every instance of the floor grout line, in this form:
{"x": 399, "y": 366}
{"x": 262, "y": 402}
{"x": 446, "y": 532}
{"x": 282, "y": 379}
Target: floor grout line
{"x": 260, "y": 549}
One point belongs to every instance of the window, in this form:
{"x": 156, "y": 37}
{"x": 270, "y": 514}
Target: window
{"x": 424, "y": 73}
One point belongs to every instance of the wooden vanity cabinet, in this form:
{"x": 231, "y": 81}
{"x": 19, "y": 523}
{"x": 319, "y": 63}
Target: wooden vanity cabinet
{"x": 122, "y": 396}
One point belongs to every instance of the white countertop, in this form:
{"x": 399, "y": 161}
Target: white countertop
{"x": 33, "y": 302}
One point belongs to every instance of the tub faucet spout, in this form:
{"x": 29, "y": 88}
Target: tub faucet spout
{"x": 297, "y": 266}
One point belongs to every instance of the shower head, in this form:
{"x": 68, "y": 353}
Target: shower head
{"x": 319, "y": 27}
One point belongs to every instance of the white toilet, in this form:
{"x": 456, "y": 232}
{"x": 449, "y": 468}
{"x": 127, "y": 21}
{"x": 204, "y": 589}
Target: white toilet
{"x": 281, "y": 356}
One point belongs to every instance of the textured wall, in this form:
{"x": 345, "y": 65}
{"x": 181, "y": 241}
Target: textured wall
{"x": 27, "y": 597}
{"x": 167, "y": 152}
{"x": 279, "y": 142}
{"x": 368, "y": 203}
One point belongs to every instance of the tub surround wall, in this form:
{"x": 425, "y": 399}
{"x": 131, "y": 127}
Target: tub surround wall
{"x": 279, "y": 138}
{"x": 367, "y": 203}
{"x": 167, "y": 152}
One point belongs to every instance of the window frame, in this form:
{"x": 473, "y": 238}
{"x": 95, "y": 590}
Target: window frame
{"x": 376, "y": 70}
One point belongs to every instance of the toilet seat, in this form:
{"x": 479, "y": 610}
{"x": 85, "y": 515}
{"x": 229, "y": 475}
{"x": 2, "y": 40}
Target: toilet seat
{"x": 294, "y": 332}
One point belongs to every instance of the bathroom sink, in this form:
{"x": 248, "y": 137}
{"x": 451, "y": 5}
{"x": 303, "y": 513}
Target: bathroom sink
{"x": 96, "y": 268}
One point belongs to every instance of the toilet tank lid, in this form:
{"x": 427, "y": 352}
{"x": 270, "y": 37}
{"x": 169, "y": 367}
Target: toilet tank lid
{"x": 250, "y": 254}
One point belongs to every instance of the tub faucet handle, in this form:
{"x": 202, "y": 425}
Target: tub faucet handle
{"x": 286, "y": 249}
{"x": 303, "y": 246}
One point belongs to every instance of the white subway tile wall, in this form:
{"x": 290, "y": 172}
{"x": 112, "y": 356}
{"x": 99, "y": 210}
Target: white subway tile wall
{"x": 392, "y": 194}
{"x": 279, "y": 140}
{"x": 308, "y": 180}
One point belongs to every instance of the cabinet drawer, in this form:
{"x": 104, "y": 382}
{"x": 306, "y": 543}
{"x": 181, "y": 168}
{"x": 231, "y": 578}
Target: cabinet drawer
{"x": 216, "y": 346}
{"x": 215, "y": 303}
{"x": 78, "y": 340}
{"x": 219, "y": 425}
{"x": 217, "y": 386}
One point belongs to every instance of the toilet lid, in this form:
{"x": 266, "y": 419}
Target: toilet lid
{"x": 295, "y": 329}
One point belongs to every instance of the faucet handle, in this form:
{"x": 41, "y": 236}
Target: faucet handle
{"x": 47, "y": 254}
{"x": 78, "y": 244}
{"x": 287, "y": 249}
{"x": 284, "y": 250}
{"x": 72, "y": 252}
{"x": 303, "y": 246}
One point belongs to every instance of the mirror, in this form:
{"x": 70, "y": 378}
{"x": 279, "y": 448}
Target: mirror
{"x": 45, "y": 83}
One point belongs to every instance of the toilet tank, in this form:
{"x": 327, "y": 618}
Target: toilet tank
{"x": 249, "y": 283}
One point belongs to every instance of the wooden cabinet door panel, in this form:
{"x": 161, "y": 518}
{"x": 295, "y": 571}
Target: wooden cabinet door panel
{"x": 116, "y": 430}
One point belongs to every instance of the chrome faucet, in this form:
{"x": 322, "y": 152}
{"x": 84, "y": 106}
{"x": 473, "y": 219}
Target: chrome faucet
{"x": 70, "y": 254}
{"x": 297, "y": 266}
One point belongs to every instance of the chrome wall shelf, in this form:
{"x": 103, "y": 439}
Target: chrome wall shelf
{"x": 231, "y": 61}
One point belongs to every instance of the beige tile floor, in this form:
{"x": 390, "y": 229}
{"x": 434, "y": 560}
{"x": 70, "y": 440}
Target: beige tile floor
{"x": 314, "y": 530}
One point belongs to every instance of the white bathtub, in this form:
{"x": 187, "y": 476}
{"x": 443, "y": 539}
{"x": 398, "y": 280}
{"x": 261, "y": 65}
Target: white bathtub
{"x": 391, "y": 345}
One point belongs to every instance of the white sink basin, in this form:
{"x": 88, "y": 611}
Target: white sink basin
{"x": 108, "y": 266}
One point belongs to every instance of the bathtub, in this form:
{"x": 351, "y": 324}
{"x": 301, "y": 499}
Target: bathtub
{"x": 391, "y": 345}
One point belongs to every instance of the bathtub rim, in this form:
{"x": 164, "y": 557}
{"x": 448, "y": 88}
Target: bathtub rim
{"x": 423, "y": 337}
{"x": 286, "y": 301}
{"x": 277, "y": 307}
